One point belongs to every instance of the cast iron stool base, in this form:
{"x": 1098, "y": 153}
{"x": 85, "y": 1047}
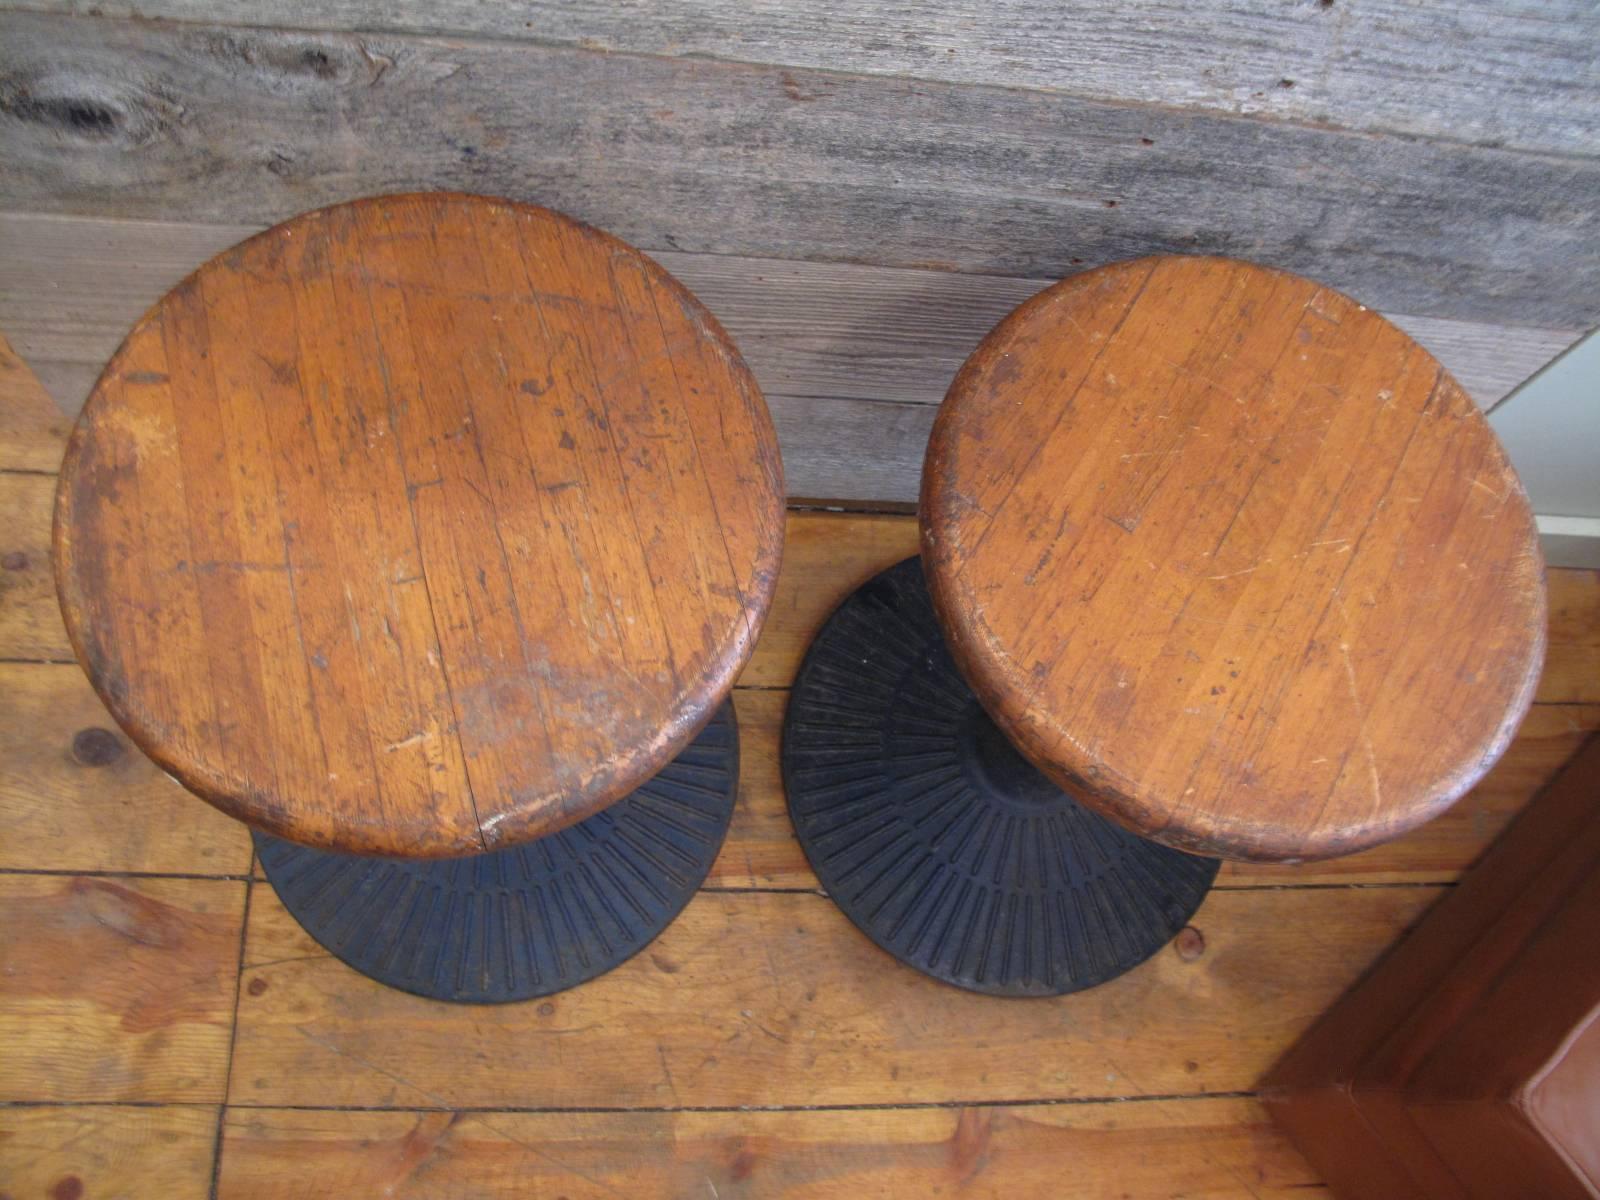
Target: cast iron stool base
{"x": 941, "y": 842}
{"x": 532, "y": 919}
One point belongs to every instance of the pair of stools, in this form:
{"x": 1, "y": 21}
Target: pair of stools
{"x": 428, "y": 535}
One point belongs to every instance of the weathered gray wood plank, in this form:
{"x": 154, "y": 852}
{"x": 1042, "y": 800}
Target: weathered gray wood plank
{"x": 852, "y": 358}
{"x": 70, "y": 287}
{"x": 187, "y": 123}
{"x": 1512, "y": 74}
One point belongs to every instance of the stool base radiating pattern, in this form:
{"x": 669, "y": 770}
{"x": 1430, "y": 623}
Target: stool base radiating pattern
{"x": 941, "y": 842}
{"x": 529, "y": 920}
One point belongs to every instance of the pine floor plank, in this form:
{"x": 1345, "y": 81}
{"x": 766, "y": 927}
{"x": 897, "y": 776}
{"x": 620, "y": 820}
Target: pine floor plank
{"x": 116, "y": 990}
{"x": 1444, "y": 847}
{"x": 30, "y": 621}
{"x": 32, "y": 437}
{"x": 77, "y": 795}
{"x": 1572, "y": 662}
{"x": 33, "y": 431}
{"x": 123, "y": 989}
{"x": 104, "y": 1150}
{"x": 1202, "y": 1149}
{"x": 774, "y": 999}
{"x": 761, "y": 850}
{"x": 826, "y": 556}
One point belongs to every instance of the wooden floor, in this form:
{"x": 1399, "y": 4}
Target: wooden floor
{"x": 167, "y": 1031}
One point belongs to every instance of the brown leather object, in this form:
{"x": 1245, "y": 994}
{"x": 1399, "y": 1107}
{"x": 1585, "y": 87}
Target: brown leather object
{"x": 1466, "y": 1066}
{"x": 420, "y": 525}
{"x": 1234, "y": 557}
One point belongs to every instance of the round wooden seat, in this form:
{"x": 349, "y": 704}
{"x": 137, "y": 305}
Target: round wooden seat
{"x": 1233, "y": 557}
{"x": 420, "y": 526}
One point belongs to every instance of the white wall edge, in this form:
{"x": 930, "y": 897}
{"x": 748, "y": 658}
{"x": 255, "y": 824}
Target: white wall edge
{"x": 1570, "y": 541}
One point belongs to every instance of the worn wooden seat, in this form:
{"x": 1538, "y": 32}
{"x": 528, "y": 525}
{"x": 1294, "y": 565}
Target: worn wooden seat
{"x": 420, "y": 526}
{"x": 1233, "y": 558}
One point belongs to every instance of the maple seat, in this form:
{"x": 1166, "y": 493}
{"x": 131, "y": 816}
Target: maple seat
{"x": 1233, "y": 558}
{"x": 423, "y": 526}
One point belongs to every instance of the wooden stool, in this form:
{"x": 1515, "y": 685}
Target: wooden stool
{"x": 1220, "y": 559}
{"x": 423, "y": 527}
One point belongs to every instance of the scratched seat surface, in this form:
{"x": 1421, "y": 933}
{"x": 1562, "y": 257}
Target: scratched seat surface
{"x": 419, "y": 525}
{"x": 1234, "y": 557}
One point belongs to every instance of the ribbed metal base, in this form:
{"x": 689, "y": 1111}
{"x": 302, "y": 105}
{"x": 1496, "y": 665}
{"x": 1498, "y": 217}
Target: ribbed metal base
{"x": 533, "y": 919}
{"x": 941, "y": 842}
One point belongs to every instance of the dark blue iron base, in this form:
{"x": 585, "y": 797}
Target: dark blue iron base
{"x": 941, "y": 842}
{"x": 533, "y": 919}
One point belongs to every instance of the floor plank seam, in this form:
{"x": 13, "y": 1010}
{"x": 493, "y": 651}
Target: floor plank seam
{"x": 233, "y": 1038}
{"x": 68, "y": 871}
{"x": 858, "y": 508}
{"x": 774, "y": 890}
{"x": 795, "y": 504}
{"x": 613, "y": 1110}
{"x": 807, "y": 504}
{"x": 730, "y": 890}
{"x": 1364, "y": 885}
{"x": 18, "y": 1104}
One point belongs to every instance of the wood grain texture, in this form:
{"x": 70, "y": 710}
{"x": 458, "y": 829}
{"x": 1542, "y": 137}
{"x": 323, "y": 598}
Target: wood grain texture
{"x": 1508, "y": 75}
{"x": 103, "y": 1150}
{"x": 848, "y": 356}
{"x": 825, "y": 440}
{"x": 1572, "y": 674}
{"x": 826, "y": 556}
{"x": 1234, "y": 556}
{"x": 761, "y": 850}
{"x": 1194, "y": 1145}
{"x": 792, "y": 1006}
{"x": 33, "y": 430}
{"x": 117, "y": 989}
{"x": 208, "y": 122}
{"x": 61, "y": 814}
{"x": 822, "y": 439}
{"x": 70, "y": 287}
{"x": 1212, "y": 1149}
{"x": 419, "y": 525}
{"x": 1439, "y": 850}
{"x": 30, "y": 619}
{"x": 76, "y": 795}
